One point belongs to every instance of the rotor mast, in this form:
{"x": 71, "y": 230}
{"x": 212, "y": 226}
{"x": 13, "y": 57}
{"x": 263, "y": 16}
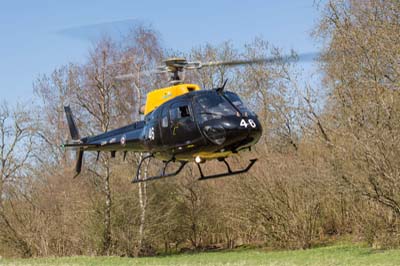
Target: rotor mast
{"x": 173, "y": 66}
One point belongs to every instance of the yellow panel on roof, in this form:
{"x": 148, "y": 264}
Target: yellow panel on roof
{"x": 160, "y": 96}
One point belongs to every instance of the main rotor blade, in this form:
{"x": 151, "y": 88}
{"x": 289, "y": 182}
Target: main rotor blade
{"x": 135, "y": 75}
{"x": 306, "y": 57}
{"x": 90, "y": 32}
{"x": 125, "y": 76}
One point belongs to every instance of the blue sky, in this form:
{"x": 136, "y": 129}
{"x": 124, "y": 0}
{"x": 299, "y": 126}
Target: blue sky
{"x": 37, "y": 36}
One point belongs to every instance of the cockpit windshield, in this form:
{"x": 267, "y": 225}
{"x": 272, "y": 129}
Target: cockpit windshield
{"x": 237, "y": 102}
{"x": 212, "y": 106}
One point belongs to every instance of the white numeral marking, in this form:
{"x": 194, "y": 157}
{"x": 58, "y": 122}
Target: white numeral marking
{"x": 251, "y": 122}
{"x": 151, "y": 134}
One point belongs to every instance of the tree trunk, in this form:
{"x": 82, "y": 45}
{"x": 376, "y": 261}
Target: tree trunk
{"x": 107, "y": 212}
{"x": 142, "y": 203}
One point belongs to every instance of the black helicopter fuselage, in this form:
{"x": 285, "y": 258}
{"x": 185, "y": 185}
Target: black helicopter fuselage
{"x": 205, "y": 124}
{"x": 195, "y": 126}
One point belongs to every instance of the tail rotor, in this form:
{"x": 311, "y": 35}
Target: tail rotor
{"x": 75, "y": 137}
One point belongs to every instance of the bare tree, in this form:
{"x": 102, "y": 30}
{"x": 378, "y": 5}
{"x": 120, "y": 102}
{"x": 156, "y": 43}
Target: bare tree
{"x": 17, "y": 129}
{"x": 141, "y": 55}
{"x": 361, "y": 67}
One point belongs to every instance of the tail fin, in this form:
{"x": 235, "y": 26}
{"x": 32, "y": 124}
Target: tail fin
{"x": 75, "y": 136}
{"x": 71, "y": 123}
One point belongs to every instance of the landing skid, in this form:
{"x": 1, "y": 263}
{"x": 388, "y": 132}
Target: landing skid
{"x": 229, "y": 170}
{"x": 163, "y": 174}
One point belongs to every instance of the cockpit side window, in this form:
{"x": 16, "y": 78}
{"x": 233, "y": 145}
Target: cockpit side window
{"x": 184, "y": 111}
{"x": 179, "y": 112}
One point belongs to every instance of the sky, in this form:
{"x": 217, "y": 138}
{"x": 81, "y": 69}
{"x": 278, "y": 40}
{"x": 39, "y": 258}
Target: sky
{"x": 38, "y": 36}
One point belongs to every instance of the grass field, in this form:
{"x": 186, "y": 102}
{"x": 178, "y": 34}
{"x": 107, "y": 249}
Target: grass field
{"x": 334, "y": 255}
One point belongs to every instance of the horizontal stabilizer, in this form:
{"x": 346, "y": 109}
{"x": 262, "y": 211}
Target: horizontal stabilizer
{"x": 78, "y": 144}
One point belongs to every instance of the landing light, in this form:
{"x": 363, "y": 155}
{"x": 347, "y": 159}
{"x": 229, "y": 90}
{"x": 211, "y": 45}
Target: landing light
{"x": 198, "y": 159}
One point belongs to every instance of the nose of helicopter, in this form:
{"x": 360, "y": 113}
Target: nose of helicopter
{"x": 242, "y": 131}
{"x": 252, "y": 127}
{"x": 255, "y": 130}
{"x": 234, "y": 132}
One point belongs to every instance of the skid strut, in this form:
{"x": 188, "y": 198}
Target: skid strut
{"x": 163, "y": 174}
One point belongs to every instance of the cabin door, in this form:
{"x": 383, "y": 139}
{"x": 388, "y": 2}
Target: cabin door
{"x": 183, "y": 129}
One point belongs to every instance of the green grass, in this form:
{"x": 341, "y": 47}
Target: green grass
{"x": 334, "y": 255}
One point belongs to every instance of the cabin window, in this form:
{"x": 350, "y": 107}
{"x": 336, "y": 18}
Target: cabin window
{"x": 164, "y": 120}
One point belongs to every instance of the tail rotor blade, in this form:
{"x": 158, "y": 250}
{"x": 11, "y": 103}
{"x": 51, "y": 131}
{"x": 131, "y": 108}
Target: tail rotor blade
{"x": 79, "y": 161}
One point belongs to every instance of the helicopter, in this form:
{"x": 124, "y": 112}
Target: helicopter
{"x": 182, "y": 123}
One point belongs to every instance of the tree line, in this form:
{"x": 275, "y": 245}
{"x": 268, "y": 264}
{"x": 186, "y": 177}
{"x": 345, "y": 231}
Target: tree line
{"x": 328, "y": 159}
